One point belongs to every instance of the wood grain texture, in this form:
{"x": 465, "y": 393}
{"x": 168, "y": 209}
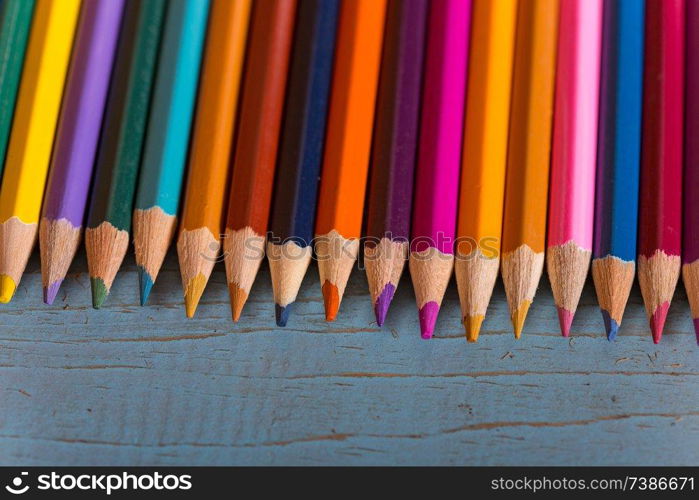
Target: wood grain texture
{"x": 91, "y": 387}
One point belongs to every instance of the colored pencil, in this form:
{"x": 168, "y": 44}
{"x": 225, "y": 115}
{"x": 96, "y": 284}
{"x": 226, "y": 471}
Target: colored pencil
{"x": 79, "y": 124}
{"x": 15, "y": 23}
{"x": 439, "y": 157}
{"x": 167, "y": 137}
{"x": 31, "y": 138}
{"x": 119, "y": 153}
{"x": 481, "y": 198}
{"x": 300, "y": 151}
{"x": 394, "y": 154}
{"x": 618, "y": 159}
{"x": 528, "y": 158}
{"x": 198, "y": 243}
{"x": 660, "y": 213}
{"x": 264, "y": 86}
{"x": 574, "y": 155}
{"x": 348, "y": 146}
{"x": 690, "y": 230}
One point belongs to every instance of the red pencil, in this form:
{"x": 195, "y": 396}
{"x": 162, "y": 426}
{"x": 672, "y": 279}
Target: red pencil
{"x": 660, "y": 214}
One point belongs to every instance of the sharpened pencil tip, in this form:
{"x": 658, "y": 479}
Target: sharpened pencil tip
{"x": 238, "y": 298}
{"x": 610, "y": 326}
{"x": 383, "y": 301}
{"x": 51, "y": 291}
{"x": 99, "y": 292}
{"x": 519, "y": 316}
{"x": 282, "y": 313}
{"x": 428, "y": 319}
{"x": 472, "y": 324}
{"x": 7, "y": 288}
{"x": 145, "y": 283}
{"x": 696, "y": 328}
{"x": 657, "y": 321}
{"x": 565, "y": 320}
{"x": 331, "y": 300}
{"x": 192, "y": 294}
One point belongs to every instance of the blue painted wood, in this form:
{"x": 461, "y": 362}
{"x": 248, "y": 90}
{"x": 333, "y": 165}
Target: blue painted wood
{"x": 131, "y": 385}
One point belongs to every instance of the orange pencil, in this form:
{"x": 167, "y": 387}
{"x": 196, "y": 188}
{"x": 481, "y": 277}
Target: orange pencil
{"x": 479, "y": 227}
{"x": 348, "y": 144}
{"x": 529, "y": 150}
{"x": 200, "y": 232}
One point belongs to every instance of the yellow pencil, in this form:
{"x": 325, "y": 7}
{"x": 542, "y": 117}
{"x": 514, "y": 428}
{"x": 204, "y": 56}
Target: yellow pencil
{"x": 479, "y": 228}
{"x": 31, "y": 138}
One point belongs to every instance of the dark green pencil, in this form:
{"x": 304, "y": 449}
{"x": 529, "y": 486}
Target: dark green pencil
{"x": 15, "y": 22}
{"x": 119, "y": 156}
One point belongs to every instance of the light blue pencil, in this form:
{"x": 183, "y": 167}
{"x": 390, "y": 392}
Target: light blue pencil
{"x": 167, "y": 139}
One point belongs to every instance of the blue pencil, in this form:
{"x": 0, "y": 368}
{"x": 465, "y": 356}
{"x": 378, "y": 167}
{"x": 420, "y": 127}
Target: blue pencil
{"x": 301, "y": 149}
{"x": 618, "y": 158}
{"x": 165, "y": 150}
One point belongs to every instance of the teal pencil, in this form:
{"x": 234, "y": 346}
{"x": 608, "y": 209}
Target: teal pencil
{"x": 15, "y": 22}
{"x": 162, "y": 170}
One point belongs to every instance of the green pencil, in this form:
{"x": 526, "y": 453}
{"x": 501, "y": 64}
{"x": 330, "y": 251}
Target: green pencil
{"x": 119, "y": 156}
{"x": 15, "y": 22}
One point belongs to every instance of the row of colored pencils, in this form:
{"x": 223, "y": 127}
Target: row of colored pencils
{"x": 484, "y": 139}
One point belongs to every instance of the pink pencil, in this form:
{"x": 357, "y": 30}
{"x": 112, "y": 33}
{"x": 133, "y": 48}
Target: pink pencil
{"x": 439, "y": 157}
{"x": 572, "y": 197}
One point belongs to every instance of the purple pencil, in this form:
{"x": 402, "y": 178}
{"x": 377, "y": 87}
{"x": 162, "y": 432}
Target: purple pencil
{"x": 394, "y": 151}
{"x": 76, "y": 140}
{"x": 439, "y": 157}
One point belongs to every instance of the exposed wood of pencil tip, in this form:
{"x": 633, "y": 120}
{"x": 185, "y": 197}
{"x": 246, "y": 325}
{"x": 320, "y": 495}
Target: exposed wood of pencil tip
{"x": 567, "y": 266}
{"x": 153, "y": 231}
{"x": 197, "y": 252}
{"x": 288, "y": 264}
{"x": 430, "y": 271}
{"x": 613, "y": 278}
{"x": 658, "y": 277}
{"x": 244, "y": 250}
{"x": 16, "y": 243}
{"x": 384, "y": 263}
{"x": 58, "y": 243}
{"x": 475, "y": 278}
{"x": 690, "y": 276}
{"x": 521, "y": 273}
{"x": 336, "y": 258}
{"x": 106, "y": 247}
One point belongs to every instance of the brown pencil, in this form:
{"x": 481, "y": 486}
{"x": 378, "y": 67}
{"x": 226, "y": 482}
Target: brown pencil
{"x": 264, "y": 86}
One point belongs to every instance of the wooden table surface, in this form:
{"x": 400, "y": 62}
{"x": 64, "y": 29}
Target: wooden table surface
{"x": 128, "y": 385}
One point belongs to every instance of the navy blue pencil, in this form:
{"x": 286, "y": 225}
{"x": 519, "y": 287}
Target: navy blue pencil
{"x": 300, "y": 156}
{"x": 618, "y": 158}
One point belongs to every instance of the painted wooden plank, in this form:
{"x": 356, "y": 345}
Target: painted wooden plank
{"x": 131, "y": 385}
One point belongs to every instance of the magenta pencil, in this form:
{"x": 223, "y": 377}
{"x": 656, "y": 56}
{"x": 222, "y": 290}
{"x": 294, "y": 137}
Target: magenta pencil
{"x": 690, "y": 230}
{"x": 574, "y": 155}
{"x": 439, "y": 157}
{"x": 76, "y": 140}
